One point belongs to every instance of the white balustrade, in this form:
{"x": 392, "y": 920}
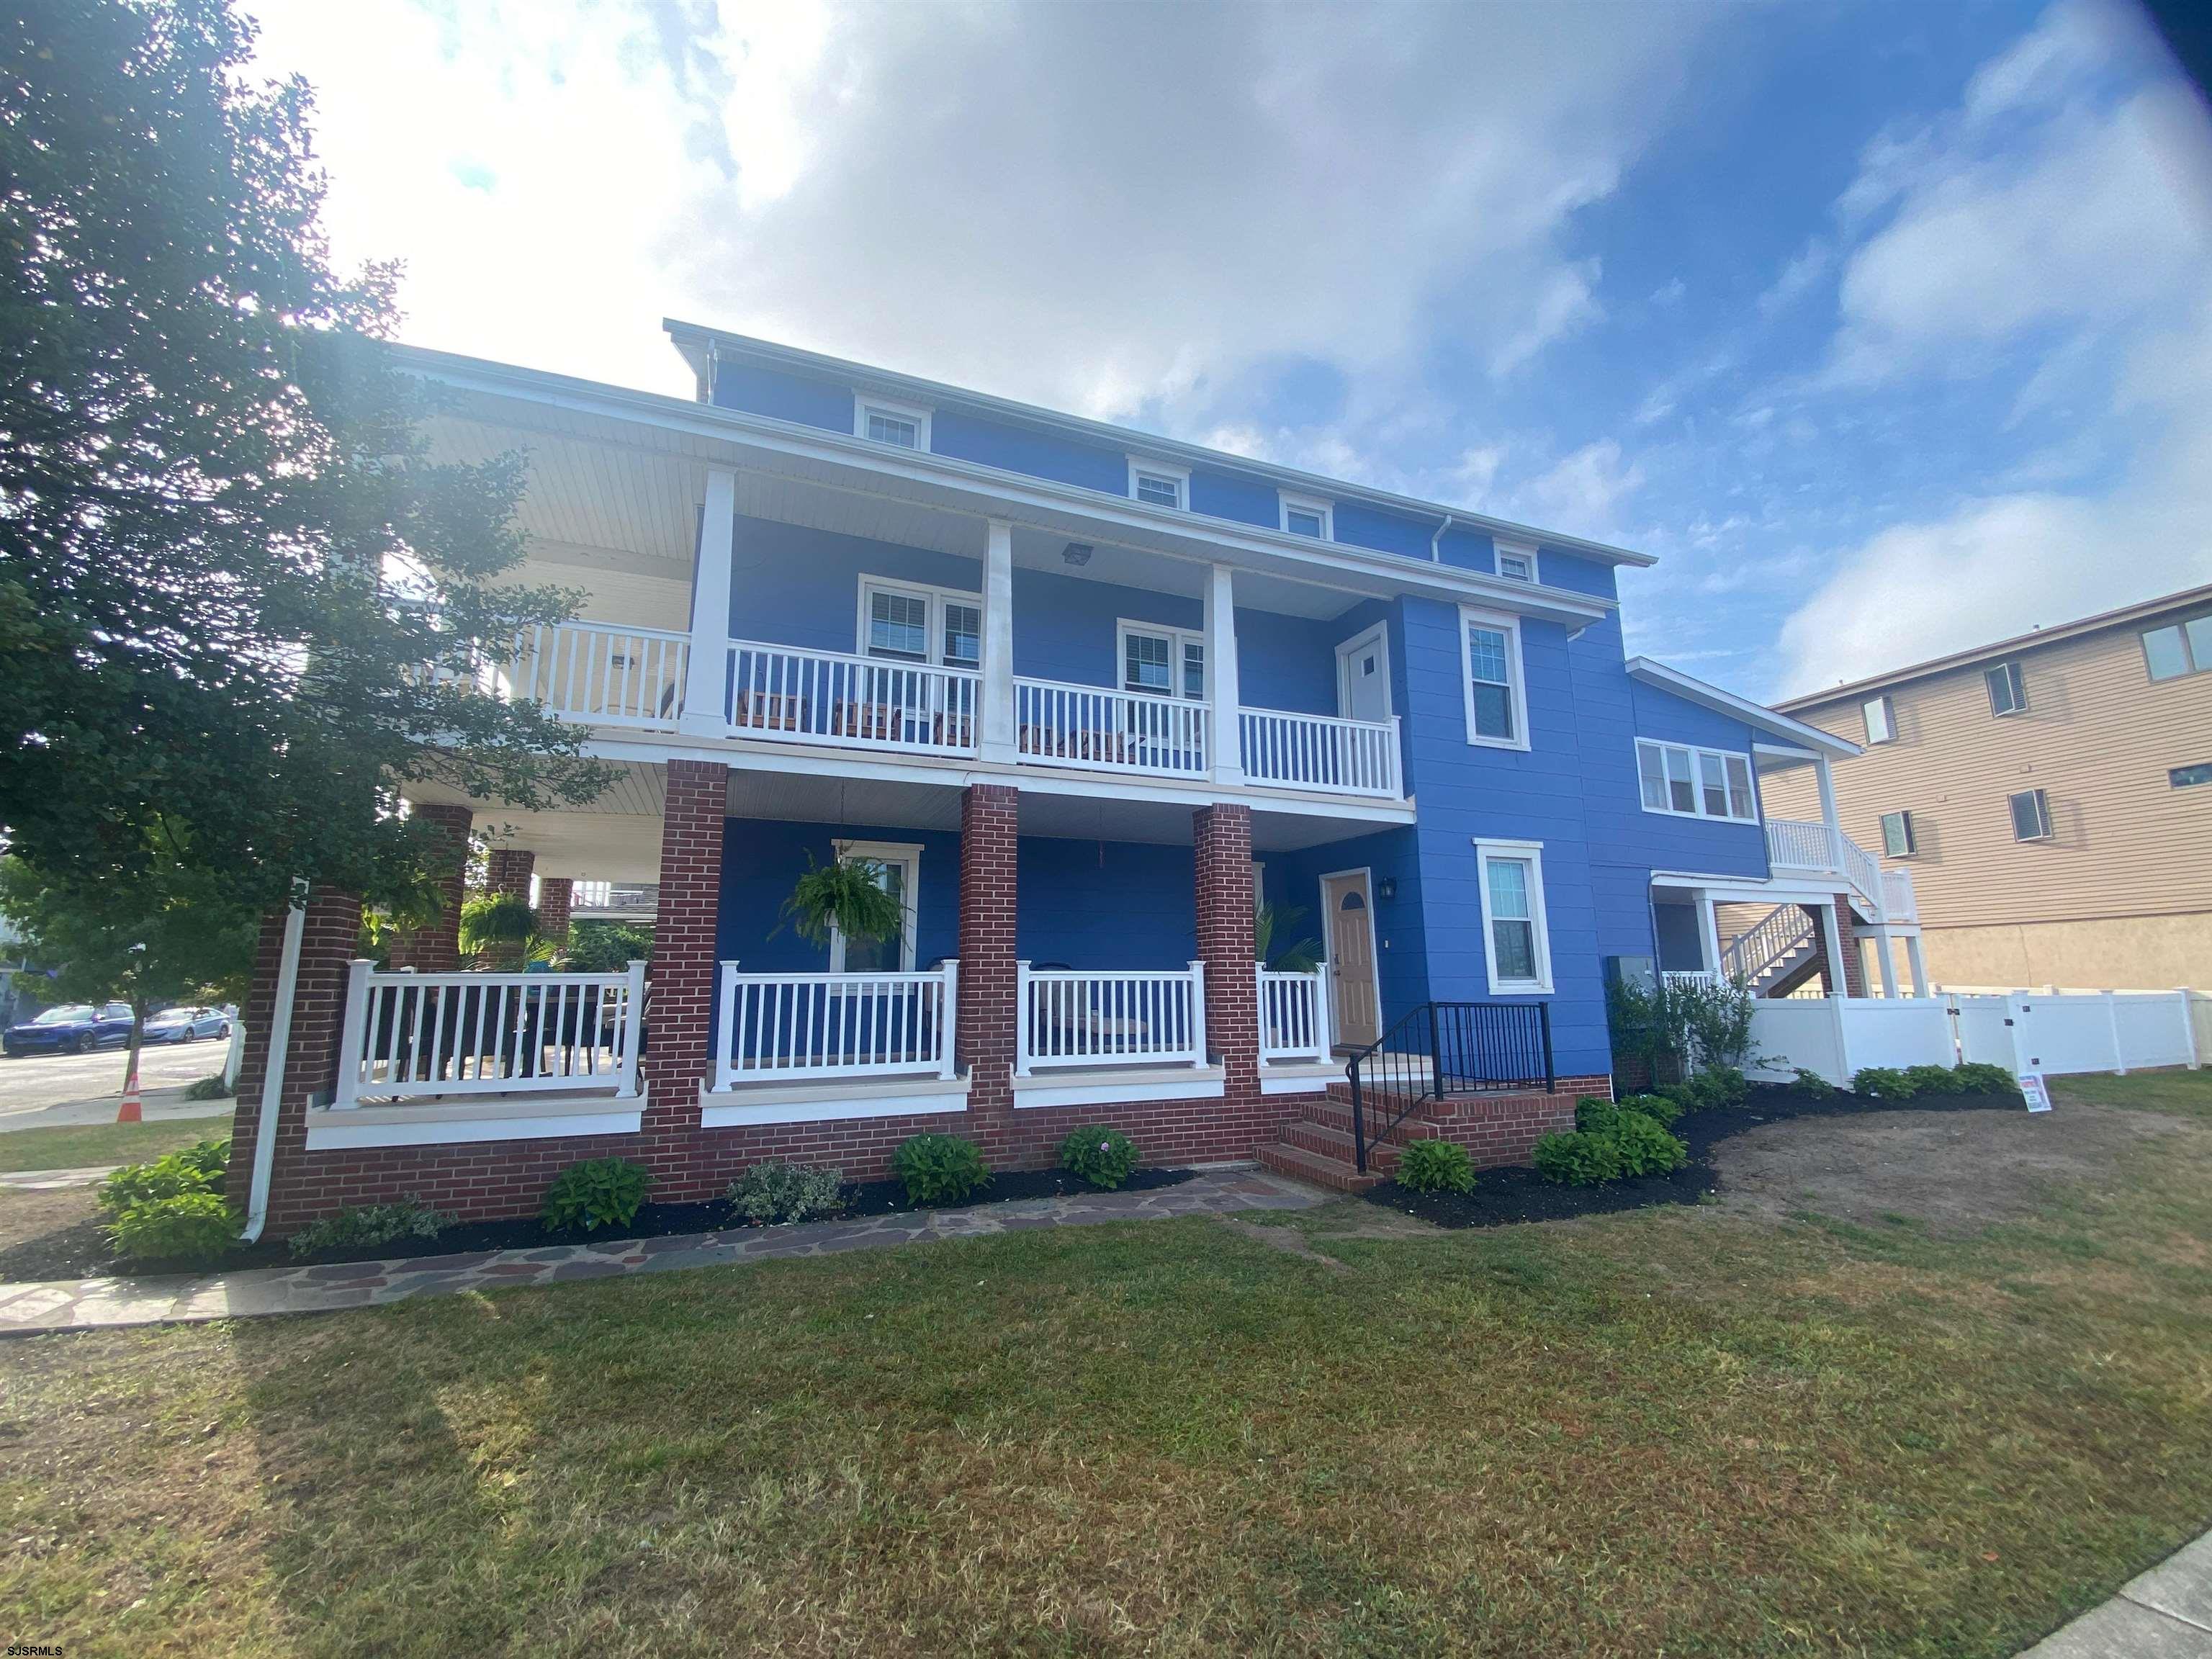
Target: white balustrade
{"x": 412, "y": 1037}
{"x": 1128, "y": 1018}
{"x": 1800, "y": 844}
{"x": 599, "y": 672}
{"x": 1900, "y": 903}
{"x": 1101, "y": 730}
{"x": 1294, "y": 1023}
{"x": 791, "y": 695}
{"x": 1781, "y": 933}
{"x": 1321, "y": 752}
{"x": 807, "y": 1027}
{"x": 1688, "y": 976}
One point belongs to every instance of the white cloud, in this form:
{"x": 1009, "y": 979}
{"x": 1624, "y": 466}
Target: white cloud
{"x": 1797, "y": 277}
{"x": 1581, "y": 493}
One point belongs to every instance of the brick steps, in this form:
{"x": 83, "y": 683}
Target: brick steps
{"x": 1315, "y": 1167}
{"x": 1324, "y": 1140}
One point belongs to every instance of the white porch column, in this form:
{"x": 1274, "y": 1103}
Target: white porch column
{"x": 1224, "y": 725}
{"x": 1884, "y": 958}
{"x": 706, "y": 674}
{"x": 1709, "y": 933}
{"x": 1825, "y": 779}
{"x": 1916, "y": 964}
{"x": 998, "y": 711}
{"x": 1837, "y": 985}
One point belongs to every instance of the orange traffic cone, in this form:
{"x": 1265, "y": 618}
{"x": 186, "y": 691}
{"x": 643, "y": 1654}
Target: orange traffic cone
{"x": 131, "y": 1114}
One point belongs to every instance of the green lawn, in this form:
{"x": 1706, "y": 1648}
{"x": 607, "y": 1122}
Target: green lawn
{"x": 82, "y": 1146}
{"x": 1692, "y": 1430}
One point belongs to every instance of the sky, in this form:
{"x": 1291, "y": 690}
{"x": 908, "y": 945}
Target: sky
{"x": 1887, "y": 328}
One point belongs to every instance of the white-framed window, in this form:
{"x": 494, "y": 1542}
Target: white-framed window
{"x": 898, "y": 866}
{"x": 1898, "y": 838}
{"x": 907, "y": 622}
{"x": 2179, "y": 648}
{"x": 1516, "y": 561}
{"x": 1161, "y": 662}
{"x": 2189, "y": 777}
{"x": 1307, "y": 515}
{"x": 1517, "y": 942}
{"x": 2008, "y": 688}
{"x": 1159, "y": 484}
{"x": 1881, "y": 717}
{"x": 1490, "y": 674}
{"x": 903, "y": 426}
{"x": 2030, "y": 815}
{"x": 1699, "y": 783}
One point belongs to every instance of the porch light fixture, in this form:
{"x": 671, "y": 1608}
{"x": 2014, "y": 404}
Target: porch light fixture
{"x": 1077, "y": 553}
{"x": 1386, "y": 889}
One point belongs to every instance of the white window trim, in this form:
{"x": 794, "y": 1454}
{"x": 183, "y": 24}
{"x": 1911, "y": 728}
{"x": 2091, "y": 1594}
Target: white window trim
{"x": 919, "y": 414}
{"x": 1516, "y": 679}
{"x": 1160, "y": 469}
{"x": 2049, "y": 824}
{"x": 2179, "y": 626}
{"x": 1911, "y": 833}
{"x": 1177, "y": 638}
{"x": 1696, "y": 780}
{"x": 936, "y": 597}
{"x": 1888, "y": 715}
{"x": 1533, "y": 852}
{"x": 2013, "y": 669}
{"x": 907, "y": 855}
{"x": 1285, "y": 501}
{"x": 1501, "y": 550}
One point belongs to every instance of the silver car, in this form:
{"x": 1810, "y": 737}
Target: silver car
{"x": 185, "y": 1024}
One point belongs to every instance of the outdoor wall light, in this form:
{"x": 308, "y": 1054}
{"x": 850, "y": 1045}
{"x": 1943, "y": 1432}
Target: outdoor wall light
{"x": 1386, "y": 889}
{"x": 1077, "y": 553}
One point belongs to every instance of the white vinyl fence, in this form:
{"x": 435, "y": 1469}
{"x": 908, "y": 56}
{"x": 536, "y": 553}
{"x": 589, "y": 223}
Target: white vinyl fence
{"x": 2085, "y": 1031}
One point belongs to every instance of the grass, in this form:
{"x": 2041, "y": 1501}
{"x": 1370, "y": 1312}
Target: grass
{"x": 82, "y": 1145}
{"x": 1691, "y": 1431}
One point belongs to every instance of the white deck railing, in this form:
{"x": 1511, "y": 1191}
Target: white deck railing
{"x": 453, "y": 1036}
{"x": 1320, "y": 752}
{"x": 1900, "y": 903}
{"x": 1800, "y": 844}
{"x": 1293, "y": 1014}
{"x": 1101, "y": 730}
{"x": 782, "y": 1027}
{"x": 1780, "y": 934}
{"x": 1075, "y": 1018}
{"x": 1809, "y": 844}
{"x": 792, "y": 696}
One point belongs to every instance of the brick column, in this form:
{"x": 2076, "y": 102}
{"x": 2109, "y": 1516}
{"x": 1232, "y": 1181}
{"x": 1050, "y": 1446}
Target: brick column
{"x": 507, "y": 872}
{"x": 983, "y": 1035}
{"x": 680, "y": 1002}
{"x": 1847, "y": 942}
{"x": 436, "y": 949}
{"x": 1221, "y": 838}
{"x": 330, "y": 937}
{"x": 554, "y": 895}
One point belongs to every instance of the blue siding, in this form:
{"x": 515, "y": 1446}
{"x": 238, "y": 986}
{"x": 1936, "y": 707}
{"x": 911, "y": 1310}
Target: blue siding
{"x": 1288, "y": 662}
{"x": 760, "y": 859}
{"x": 792, "y": 586}
{"x": 1104, "y": 904}
{"x": 1576, "y": 574}
{"x": 1064, "y": 625}
{"x": 1226, "y": 495}
{"x": 1402, "y": 963}
{"x": 1040, "y": 454}
{"x": 1362, "y": 525}
{"x": 784, "y": 396}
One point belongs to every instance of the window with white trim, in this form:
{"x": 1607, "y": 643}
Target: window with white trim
{"x": 2189, "y": 777}
{"x": 903, "y": 426}
{"x": 1881, "y": 717}
{"x": 2030, "y": 815}
{"x": 1897, "y": 839}
{"x": 899, "y": 872}
{"x": 1516, "y": 563}
{"x": 2008, "y": 688}
{"x": 904, "y": 621}
{"x": 1490, "y": 674}
{"x": 1159, "y": 484}
{"x": 1699, "y": 783}
{"x": 1307, "y": 515}
{"x": 1517, "y": 940}
{"x": 2179, "y": 648}
{"x": 1161, "y": 662}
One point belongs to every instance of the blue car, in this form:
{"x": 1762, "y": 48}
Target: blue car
{"x": 70, "y": 1030}
{"x": 186, "y": 1024}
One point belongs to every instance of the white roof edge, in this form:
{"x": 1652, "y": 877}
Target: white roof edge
{"x": 891, "y": 381}
{"x": 1664, "y": 678}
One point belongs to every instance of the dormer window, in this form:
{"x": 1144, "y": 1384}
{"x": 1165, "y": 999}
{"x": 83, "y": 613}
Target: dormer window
{"x": 1158, "y": 484}
{"x": 1516, "y": 563}
{"x": 903, "y": 426}
{"x": 1306, "y": 515}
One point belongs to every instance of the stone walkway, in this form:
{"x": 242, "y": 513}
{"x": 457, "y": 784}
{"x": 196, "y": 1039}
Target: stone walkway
{"x": 47, "y": 1180}
{"x": 70, "y": 1304}
{"x": 2165, "y": 1613}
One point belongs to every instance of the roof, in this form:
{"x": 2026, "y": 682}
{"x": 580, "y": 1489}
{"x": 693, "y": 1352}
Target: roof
{"x": 2035, "y": 639}
{"x": 1758, "y": 716}
{"x": 693, "y": 339}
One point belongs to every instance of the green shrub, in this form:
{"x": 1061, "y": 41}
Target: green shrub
{"x": 1101, "y": 1155}
{"x": 600, "y": 1192}
{"x": 1813, "y": 1084}
{"x": 1435, "y": 1166}
{"x": 196, "y": 1169}
{"x": 365, "y": 1225}
{"x": 194, "y": 1228}
{"x": 1978, "y": 1077}
{"x": 1658, "y": 1108}
{"x": 1881, "y": 1083}
{"x": 938, "y": 1170}
{"x": 769, "y": 1193}
{"x": 1577, "y": 1158}
{"x": 1932, "y": 1079}
{"x": 210, "y": 1088}
{"x": 1596, "y": 1116}
{"x": 1644, "y": 1148}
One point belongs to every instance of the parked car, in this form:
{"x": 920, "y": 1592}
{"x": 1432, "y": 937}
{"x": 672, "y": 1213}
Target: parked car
{"x": 187, "y": 1024}
{"x": 70, "y": 1030}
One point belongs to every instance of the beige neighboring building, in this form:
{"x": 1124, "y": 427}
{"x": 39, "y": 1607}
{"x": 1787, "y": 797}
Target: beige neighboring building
{"x": 2051, "y": 794}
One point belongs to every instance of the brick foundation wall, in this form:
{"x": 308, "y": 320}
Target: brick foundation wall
{"x": 554, "y": 894}
{"x": 437, "y": 948}
{"x": 1502, "y": 1129}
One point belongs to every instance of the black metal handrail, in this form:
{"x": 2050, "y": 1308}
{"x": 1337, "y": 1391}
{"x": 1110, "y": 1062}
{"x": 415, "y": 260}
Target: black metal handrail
{"x": 1442, "y": 1049}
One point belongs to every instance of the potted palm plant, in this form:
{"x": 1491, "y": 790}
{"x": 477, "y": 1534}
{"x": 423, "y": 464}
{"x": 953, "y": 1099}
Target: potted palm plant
{"x": 847, "y": 896}
{"x": 1301, "y": 957}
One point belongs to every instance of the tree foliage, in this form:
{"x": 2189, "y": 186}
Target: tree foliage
{"x": 240, "y": 601}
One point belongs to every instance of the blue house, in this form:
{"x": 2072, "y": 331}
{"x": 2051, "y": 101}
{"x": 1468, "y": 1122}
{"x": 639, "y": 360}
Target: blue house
{"x": 1090, "y": 704}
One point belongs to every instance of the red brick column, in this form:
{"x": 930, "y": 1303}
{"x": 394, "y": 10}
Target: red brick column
{"x": 1847, "y": 942}
{"x": 554, "y": 895}
{"x": 330, "y": 937}
{"x": 984, "y": 1034}
{"x": 507, "y": 872}
{"x": 680, "y": 1001}
{"x": 436, "y": 949}
{"x": 1221, "y": 840}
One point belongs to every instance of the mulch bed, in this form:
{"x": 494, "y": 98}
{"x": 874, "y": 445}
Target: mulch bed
{"x": 1501, "y": 1197}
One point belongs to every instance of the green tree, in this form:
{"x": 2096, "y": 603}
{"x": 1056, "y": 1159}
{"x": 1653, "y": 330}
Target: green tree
{"x": 237, "y": 591}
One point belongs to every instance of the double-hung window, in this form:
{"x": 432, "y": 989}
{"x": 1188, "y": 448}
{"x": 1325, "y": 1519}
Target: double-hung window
{"x": 2008, "y": 688}
{"x": 1159, "y": 484}
{"x": 1702, "y": 783}
{"x": 903, "y": 426}
{"x": 901, "y": 622}
{"x": 1309, "y": 515}
{"x": 2179, "y": 648}
{"x": 1490, "y": 662}
{"x": 2030, "y": 815}
{"x": 1898, "y": 840}
{"x": 1516, "y": 563}
{"x": 1881, "y": 717}
{"x": 898, "y": 868}
{"x": 1517, "y": 940}
{"x": 1162, "y": 662}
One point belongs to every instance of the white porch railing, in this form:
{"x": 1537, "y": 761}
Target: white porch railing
{"x": 1781, "y": 934}
{"x": 1293, "y": 1014}
{"x": 1076, "y": 1018}
{"x": 1808, "y": 844}
{"x": 1101, "y": 730}
{"x": 1320, "y": 752}
{"x": 601, "y": 673}
{"x": 1800, "y": 844}
{"x": 1900, "y": 903}
{"x": 792, "y": 695}
{"x": 1688, "y": 976}
{"x": 453, "y": 1036}
{"x": 782, "y": 1027}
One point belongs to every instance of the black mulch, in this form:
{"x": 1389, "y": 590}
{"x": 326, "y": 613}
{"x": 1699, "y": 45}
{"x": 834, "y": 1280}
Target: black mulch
{"x": 1504, "y": 1196}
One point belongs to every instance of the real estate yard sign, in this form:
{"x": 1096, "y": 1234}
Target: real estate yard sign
{"x": 2031, "y": 1087}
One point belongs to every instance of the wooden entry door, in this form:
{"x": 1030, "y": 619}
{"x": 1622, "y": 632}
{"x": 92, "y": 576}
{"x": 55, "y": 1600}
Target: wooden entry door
{"x": 1352, "y": 989}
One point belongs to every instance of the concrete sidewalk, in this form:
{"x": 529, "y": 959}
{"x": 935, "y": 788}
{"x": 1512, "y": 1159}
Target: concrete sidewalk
{"x": 2166, "y": 1613}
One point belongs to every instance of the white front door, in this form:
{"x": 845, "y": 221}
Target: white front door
{"x": 1362, "y": 675}
{"x": 1350, "y": 918}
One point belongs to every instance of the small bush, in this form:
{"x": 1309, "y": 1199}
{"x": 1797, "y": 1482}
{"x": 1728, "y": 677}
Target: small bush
{"x": 771, "y": 1192}
{"x": 1811, "y": 1083}
{"x": 210, "y": 1088}
{"x": 938, "y": 1170}
{"x": 196, "y": 1169}
{"x": 1578, "y": 1159}
{"x": 1596, "y": 1116}
{"x": 1646, "y": 1149}
{"x": 365, "y": 1225}
{"x": 1658, "y": 1108}
{"x": 1437, "y": 1166}
{"x": 1932, "y": 1079}
{"x": 194, "y": 1227}
{"x": 600, "y": 1192}
{"x": 1978, "y": 1077}
{"x": 1101, "y": 1155}
{"x": 1881, "y": 1083}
